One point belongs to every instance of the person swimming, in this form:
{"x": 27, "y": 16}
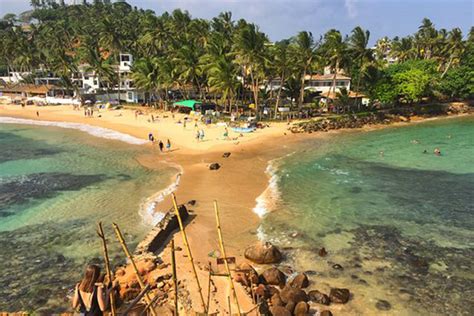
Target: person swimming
{"x": 437, "y": 152}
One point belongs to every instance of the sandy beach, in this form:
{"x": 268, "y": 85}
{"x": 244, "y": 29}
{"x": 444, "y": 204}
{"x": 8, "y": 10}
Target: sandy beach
{"x": 236, "y": 185}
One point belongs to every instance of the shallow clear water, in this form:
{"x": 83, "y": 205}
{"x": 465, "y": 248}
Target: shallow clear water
{"x": 401, "y": 222}
{"x": 55, "y": 184}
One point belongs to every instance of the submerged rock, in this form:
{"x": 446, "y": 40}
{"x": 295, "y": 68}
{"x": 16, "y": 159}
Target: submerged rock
{"x": 383, "y": 305}
{"x": 340, "y": 296}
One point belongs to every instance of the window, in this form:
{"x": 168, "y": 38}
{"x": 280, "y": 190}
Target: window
{"x": 130, "y": 95}
{"x": 95, "y": 82}
{"x": 125, "y": 57}
{"x": 86, "y": 77}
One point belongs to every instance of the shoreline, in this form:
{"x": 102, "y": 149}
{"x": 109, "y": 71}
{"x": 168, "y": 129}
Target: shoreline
{"x": 245, "y": 175}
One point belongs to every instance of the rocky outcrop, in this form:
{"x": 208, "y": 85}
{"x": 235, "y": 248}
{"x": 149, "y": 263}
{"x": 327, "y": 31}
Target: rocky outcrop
{"x": 291, "y": 294}
{"x": 273, "y": 276}
{"x": 159, "y": 235}
{"x": 279, "y": 311}
{"x": 301, "y": 309}
{"x": 263, "y": 253}
{"x": 300, "y": 281}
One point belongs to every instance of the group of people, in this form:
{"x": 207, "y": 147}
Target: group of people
{"x": 161, "y": 145}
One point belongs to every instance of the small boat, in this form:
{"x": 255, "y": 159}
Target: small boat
{"x": 243, "y": 129}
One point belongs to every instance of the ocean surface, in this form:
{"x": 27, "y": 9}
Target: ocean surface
{"x": 55, "y": 185}
{"x": 398, "y": 221}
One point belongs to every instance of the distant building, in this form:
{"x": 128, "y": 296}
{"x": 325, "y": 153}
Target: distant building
{"x": 324, "y": 83}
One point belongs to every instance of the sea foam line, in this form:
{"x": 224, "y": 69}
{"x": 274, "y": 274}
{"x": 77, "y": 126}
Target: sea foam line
{"x": 266, "y": 201}
{"x": 148, "y": 209}
{"x": 92, "y": 130}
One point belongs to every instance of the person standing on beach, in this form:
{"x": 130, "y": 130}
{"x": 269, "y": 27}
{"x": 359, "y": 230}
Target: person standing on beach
{"x": 161, "y": 145}
{"x": 89, "y": 294}
{"x": 201, "y": 134}
{"x": 168, "y": 145}
{"x": 37, "y": 113}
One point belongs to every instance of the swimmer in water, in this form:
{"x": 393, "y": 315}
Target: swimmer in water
{"x": 437, "y": 152}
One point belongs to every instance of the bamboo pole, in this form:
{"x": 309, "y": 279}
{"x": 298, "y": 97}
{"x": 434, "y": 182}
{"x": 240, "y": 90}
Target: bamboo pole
{"x": 188, "y": 249}
{"x": 175, "y": 278}
{"x": 221, "y": 243}
{"x": 130, "y": 257}
{"x": 100, "y": 232}
{"x": 209, "y": 288}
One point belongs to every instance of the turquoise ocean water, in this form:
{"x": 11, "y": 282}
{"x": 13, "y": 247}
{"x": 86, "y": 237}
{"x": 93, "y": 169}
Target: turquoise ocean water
{"x": 400, "y": 223}
{"x": 55, "y": 184}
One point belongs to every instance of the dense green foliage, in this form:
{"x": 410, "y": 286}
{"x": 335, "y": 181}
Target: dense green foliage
{"x": 231, "y": 59}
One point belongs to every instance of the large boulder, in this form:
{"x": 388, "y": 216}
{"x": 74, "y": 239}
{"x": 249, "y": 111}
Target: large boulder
{"x": 273, "y": 276}
{"x": 279, "y": 311}
{"x": 339, "y": 295}
{"x": 301, "y": 309}
{"x": 300, "y": 281}
{"x": 318, "y": 297}
{"x": 263, "y": 253}
{"x": 325, "y": 313}
{"x": 293, "y": 294}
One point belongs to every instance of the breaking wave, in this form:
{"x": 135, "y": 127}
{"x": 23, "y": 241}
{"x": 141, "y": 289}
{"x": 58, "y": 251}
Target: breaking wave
{"x": 92, "y": 130}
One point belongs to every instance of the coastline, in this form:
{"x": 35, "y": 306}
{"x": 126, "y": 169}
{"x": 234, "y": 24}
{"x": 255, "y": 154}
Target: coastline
{"x": 243, "y": 179}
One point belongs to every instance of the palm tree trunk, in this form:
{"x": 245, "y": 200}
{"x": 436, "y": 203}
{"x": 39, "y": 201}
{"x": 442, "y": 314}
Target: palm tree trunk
{"x": 277, "y": 104}
{"x": 447, "y": 67}
{"x": 300, "y": 100}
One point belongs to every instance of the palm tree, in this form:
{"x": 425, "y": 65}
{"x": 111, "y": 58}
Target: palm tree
{"x": 222, "y": 79}
{"x": 305, "y": 55}
{"x": 426, "y": 38}
{"x": 358, "y": 43}
{"x": 250, "y": 54}
{"x": 454, "y": 49}
{"x": 336, "y": 53}
{"x": 282, "y": 53}
{"x": 145, "y": 74}
{"x": 402, "y": 49}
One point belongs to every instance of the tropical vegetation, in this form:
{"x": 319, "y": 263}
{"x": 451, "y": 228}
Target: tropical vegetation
{"x": 233, "y": 62}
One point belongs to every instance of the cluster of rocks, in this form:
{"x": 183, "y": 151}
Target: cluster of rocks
{"x": 154, "y": 273}
{"x": 347, "y": 121}
{"x": 278, "y": 295}
{"x": 399, "y": 114}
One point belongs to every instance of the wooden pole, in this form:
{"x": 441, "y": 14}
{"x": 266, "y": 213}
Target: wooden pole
{"x": 221, "y": 243}
{"x": 175, "y": 278}
{"x": 188, "y": 249}
{"x": 209, "y": 288}
{"x": 100, "y": 232}
{"x": 130, "y": 257}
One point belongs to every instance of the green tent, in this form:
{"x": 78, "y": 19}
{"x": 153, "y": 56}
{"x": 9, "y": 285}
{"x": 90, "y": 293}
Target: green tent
{"x": 187, "y": 103}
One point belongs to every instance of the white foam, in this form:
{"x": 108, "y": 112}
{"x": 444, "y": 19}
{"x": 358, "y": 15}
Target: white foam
{"x": 266, "y": 200}
{"x": 148, "y": 209}
{"x": 92, "y": 130}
